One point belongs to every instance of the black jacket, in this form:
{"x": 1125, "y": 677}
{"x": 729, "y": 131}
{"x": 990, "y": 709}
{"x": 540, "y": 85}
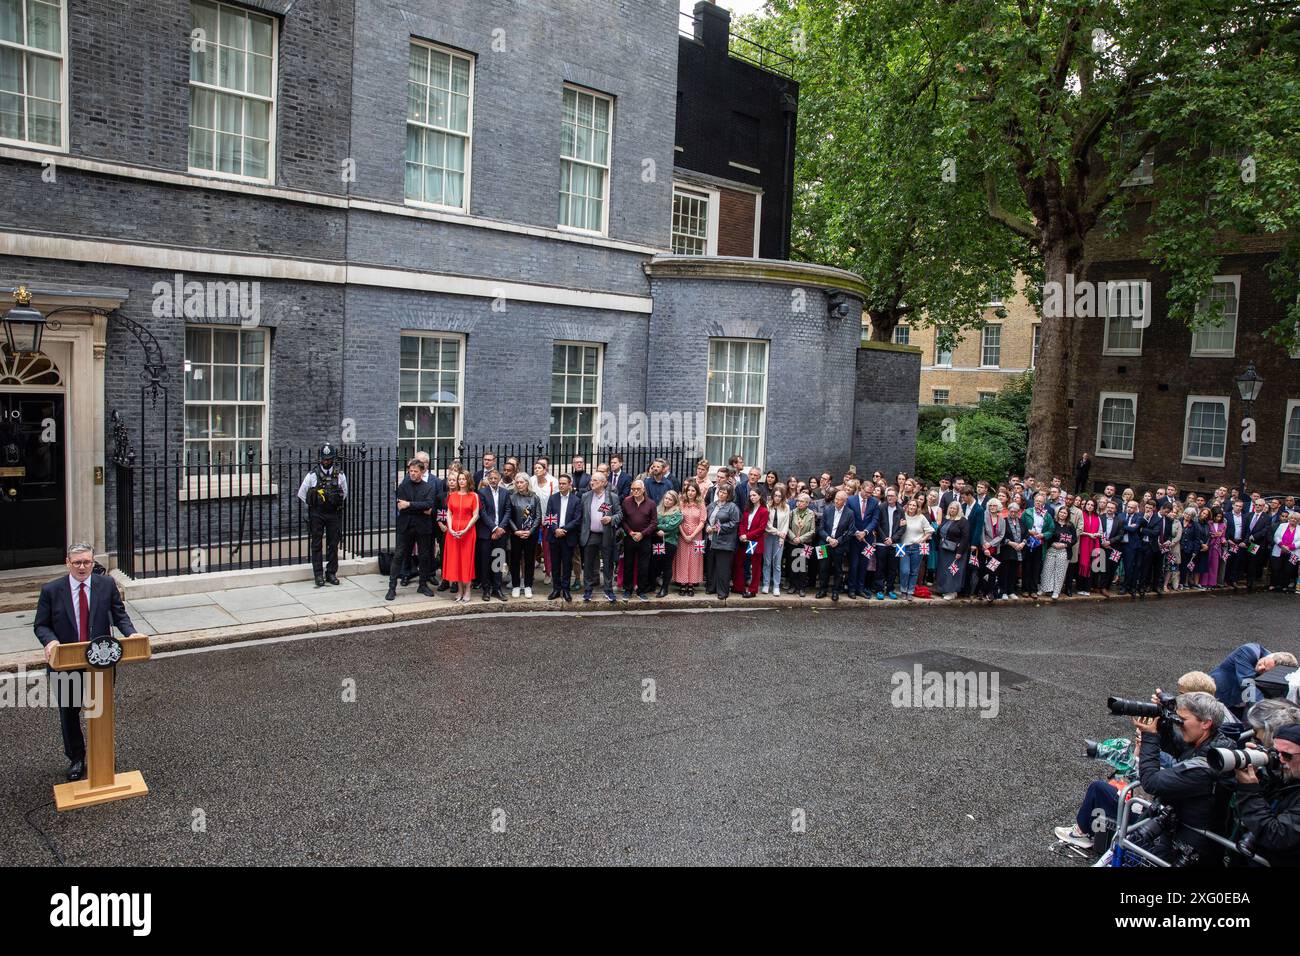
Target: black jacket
{"x": 1272, "y": 814}
{"x": 1191, "y": 788}
{"x": 423, "y": 498}
{"x": 56, "y": 620}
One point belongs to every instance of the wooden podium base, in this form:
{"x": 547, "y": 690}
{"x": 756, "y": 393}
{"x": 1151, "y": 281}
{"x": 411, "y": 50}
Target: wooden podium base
{"x": 79, "y": 793}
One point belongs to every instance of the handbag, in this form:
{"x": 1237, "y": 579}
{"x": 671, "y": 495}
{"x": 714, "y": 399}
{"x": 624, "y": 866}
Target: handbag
{"x": 386, "y": 563}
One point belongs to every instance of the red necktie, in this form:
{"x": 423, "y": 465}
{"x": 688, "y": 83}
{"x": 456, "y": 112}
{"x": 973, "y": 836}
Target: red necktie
{"x": 83, "y": 613}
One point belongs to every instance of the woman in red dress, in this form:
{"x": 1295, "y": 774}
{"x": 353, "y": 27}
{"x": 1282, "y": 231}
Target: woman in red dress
{"x": 458, "y": 556}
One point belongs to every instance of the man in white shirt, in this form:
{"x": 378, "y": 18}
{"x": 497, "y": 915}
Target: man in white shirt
{"x": 563, "y": 518}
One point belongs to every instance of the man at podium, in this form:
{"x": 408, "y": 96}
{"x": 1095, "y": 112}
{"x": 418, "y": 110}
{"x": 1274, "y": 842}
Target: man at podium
{"x": 78, "y": 607}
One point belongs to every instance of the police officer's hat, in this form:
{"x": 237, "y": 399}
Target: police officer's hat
{"x": 327, "y": 452}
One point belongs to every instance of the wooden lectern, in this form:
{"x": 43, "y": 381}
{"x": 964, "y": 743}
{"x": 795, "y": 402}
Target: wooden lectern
{"x": 101, "y": 784}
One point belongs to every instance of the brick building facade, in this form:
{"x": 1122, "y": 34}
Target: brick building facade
{"x": 447, "y": 219}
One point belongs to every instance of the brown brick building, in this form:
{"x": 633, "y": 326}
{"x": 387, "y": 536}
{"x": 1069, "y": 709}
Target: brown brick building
{"x": 1160, "y": 403}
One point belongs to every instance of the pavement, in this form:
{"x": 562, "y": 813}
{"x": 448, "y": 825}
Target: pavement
{"x": 235, "y": 614}
{"x": 768, "y": 736}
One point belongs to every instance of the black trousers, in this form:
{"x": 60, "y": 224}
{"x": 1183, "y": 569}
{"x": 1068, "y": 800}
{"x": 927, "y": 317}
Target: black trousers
{"x": 491, "y": 559}
{"x": 1008, "y": 571}
{"x": 636, "y": 563}
{"x": 1032, "y": 569}
{"x": 661, "y": 565}
{"x": 599, "y": 553}
{"x": 523, "y": 552}
{"x": 331, "y": 527}
{"x": 1137, "y": 560}
{"x": 719, "y": 575}
{"x": 1237, "y": 562}
{"x": 1255, "y": 565}
{"x": 561, "y": 561}
{"x": 407, "y": 539}
{"x": 886, "y": 568}
{"x": 71, "y": 684}
{"x": 1282, "y": 574}
{"x": 836, "y": 568}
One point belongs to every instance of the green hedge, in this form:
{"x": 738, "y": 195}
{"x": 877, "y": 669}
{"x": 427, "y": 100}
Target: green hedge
{"x": 987, "y": 441}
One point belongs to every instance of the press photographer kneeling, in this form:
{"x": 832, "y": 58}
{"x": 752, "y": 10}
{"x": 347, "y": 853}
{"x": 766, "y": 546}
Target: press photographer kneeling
{"x": 1189, "y": 786}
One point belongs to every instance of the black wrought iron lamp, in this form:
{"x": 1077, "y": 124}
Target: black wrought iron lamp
{"x": 24, "y": 325}
{"x": 1248, "y": 385}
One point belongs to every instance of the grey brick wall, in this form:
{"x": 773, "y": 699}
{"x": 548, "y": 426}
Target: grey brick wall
{"x": 810, "y": 379}
{"x": 884, "y": 421}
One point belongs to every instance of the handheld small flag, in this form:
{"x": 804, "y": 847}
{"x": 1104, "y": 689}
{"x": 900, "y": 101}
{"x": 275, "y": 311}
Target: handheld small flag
{"x": 442, "y": 515}
{"x": 699, "y": 547}
{"x": 925, "y": 548}
{"x": 974, "y": 560}
{"x": 1191, "y": 565}
{"x": 807, "y": 551}
{"x": 954, "y": 568}
{"x": 900, "y": 550}
{"x": 822, "y": 551}
{"x": 1114, "y": 554}
{"x": 551, "y": 520}
{"x": 750, "y": 546}
{"x": 657, "y": 549}
{"x": 993, "y": 564}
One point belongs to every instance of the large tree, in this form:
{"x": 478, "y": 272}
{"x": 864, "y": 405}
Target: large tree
{"x": 1054, "y": 104}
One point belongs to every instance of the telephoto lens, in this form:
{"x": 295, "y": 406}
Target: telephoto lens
{"x": 1121, "y": 707}
{"x": 1090, "y": 748}
{"x": 1226, "y": 760}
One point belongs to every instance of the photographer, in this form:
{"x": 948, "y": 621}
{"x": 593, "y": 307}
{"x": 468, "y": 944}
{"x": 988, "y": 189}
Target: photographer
{"x": 1189, "y": 786}
{"x": 1270, "y": 811}
{"x": 1237, "y": 671}
{"x": 1101, "y": 800}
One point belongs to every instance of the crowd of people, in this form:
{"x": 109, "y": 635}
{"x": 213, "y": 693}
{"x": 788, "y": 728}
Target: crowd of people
{"x": 1250, "y": 700}
{"x": 738, "y": 530}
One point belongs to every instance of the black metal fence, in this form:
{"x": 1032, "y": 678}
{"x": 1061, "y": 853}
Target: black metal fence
{"x": 182, "y": 514}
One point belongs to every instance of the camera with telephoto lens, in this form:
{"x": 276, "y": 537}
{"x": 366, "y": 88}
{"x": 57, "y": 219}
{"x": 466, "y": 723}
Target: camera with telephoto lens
{"x": 1165, "y": 710}
{"x": 1228, "y": 760}
{"x": 1157, "y": 838}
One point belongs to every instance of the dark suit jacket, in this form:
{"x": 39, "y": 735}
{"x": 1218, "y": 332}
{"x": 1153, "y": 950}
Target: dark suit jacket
{"x": 615, "y": 512}
{"x": 622, "y": 487}
{"x": 865, "y": 519}
{"x": 56, "y": 620}
{"x": 581, "y": 481}
{"x": 572, "y": 517}
{"x": 423, "y": 498}
{"x": 1263, "y": 533}
{"x": 885, "y": 530}
{"x": 843, "y": 532}
{"x": 1116, "y": 538}
{"x": 484, "y": 525}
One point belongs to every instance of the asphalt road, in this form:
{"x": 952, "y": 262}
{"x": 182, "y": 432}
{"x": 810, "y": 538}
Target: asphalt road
{"x": 539, "y": 725}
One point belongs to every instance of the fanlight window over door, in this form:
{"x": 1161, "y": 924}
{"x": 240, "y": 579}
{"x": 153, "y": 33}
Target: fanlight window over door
{"x": 28, "y": 368}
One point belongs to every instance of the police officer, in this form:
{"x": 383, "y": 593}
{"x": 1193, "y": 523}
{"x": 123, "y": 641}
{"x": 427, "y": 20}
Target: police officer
{"x": 324, "y": 491}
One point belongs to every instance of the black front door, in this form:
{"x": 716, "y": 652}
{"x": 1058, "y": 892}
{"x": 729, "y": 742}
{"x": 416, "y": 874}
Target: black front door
{"x": 32, "y": 509}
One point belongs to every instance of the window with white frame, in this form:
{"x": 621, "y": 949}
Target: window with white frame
{"x": 942, "y": 356}
{"x": 1038, "y": 340}
{"x": 32, "y": 60}
{"x": 695, "y": 221}
{"x": 940, "y": 396}
{"x": 1124, "y": 304}
{"x": 584, "y": 159}
{"x": 575, "y": 397}
{"x": 983, "y": 397}
{"x": 232, "y": 91}
{"x": 736, "y": 402}
{"x": 225, "y": 393}
{"x": 1116, "y": 424}
{"x": 1143, "y": 173}
{"x": 991, "y": 346}
{"x": 1218, "y": 338}
{"x": 902, "y": 334}
{"x": 1206, "y": 434}
{"x": 1291, "y": 438}
{"x": 438, "y": 123}
{"x": 430, "y": 387}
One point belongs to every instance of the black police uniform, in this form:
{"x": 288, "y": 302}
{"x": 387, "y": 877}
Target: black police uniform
{"x": 325, "y": 517}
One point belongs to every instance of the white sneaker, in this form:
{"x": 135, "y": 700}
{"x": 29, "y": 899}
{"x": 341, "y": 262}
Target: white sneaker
{"x": 1084, "y": 593}
{"x": 776, "y": 592}
{"x": 528, "y": 592}
{"x": 1014, "y": 597}
{"x": 514, "y": 592}
{"x": 949, "y": 597}
{"x": 1073, "y": 836}
{"x": 764, "y": 588}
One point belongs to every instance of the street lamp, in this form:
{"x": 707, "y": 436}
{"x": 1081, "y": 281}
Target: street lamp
{"x": 1248, "y": 385}
{"x": 23, "y": 324}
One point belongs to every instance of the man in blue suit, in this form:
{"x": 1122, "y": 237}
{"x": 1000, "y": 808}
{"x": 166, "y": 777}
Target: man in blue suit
{"x": 973, "y": 509}
{"x": 620, "y": 482}
{"x": 491, "y": 530}
{"x": 866, "y": 518}
{"x": 79, "y": 606}
{"x": 563, "y": 518}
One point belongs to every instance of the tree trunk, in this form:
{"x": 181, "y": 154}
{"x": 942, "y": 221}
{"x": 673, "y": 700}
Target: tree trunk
{"x": 883, "y": 323}
{"x": 1049, "y": 434}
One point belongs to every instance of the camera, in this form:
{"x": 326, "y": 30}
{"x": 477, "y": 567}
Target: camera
{"x": 1165, "y": 710}
{"x": 1226, "y": 760}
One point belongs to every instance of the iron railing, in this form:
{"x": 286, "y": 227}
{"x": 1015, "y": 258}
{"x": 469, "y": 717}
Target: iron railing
{"x": 189, "y": 514}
